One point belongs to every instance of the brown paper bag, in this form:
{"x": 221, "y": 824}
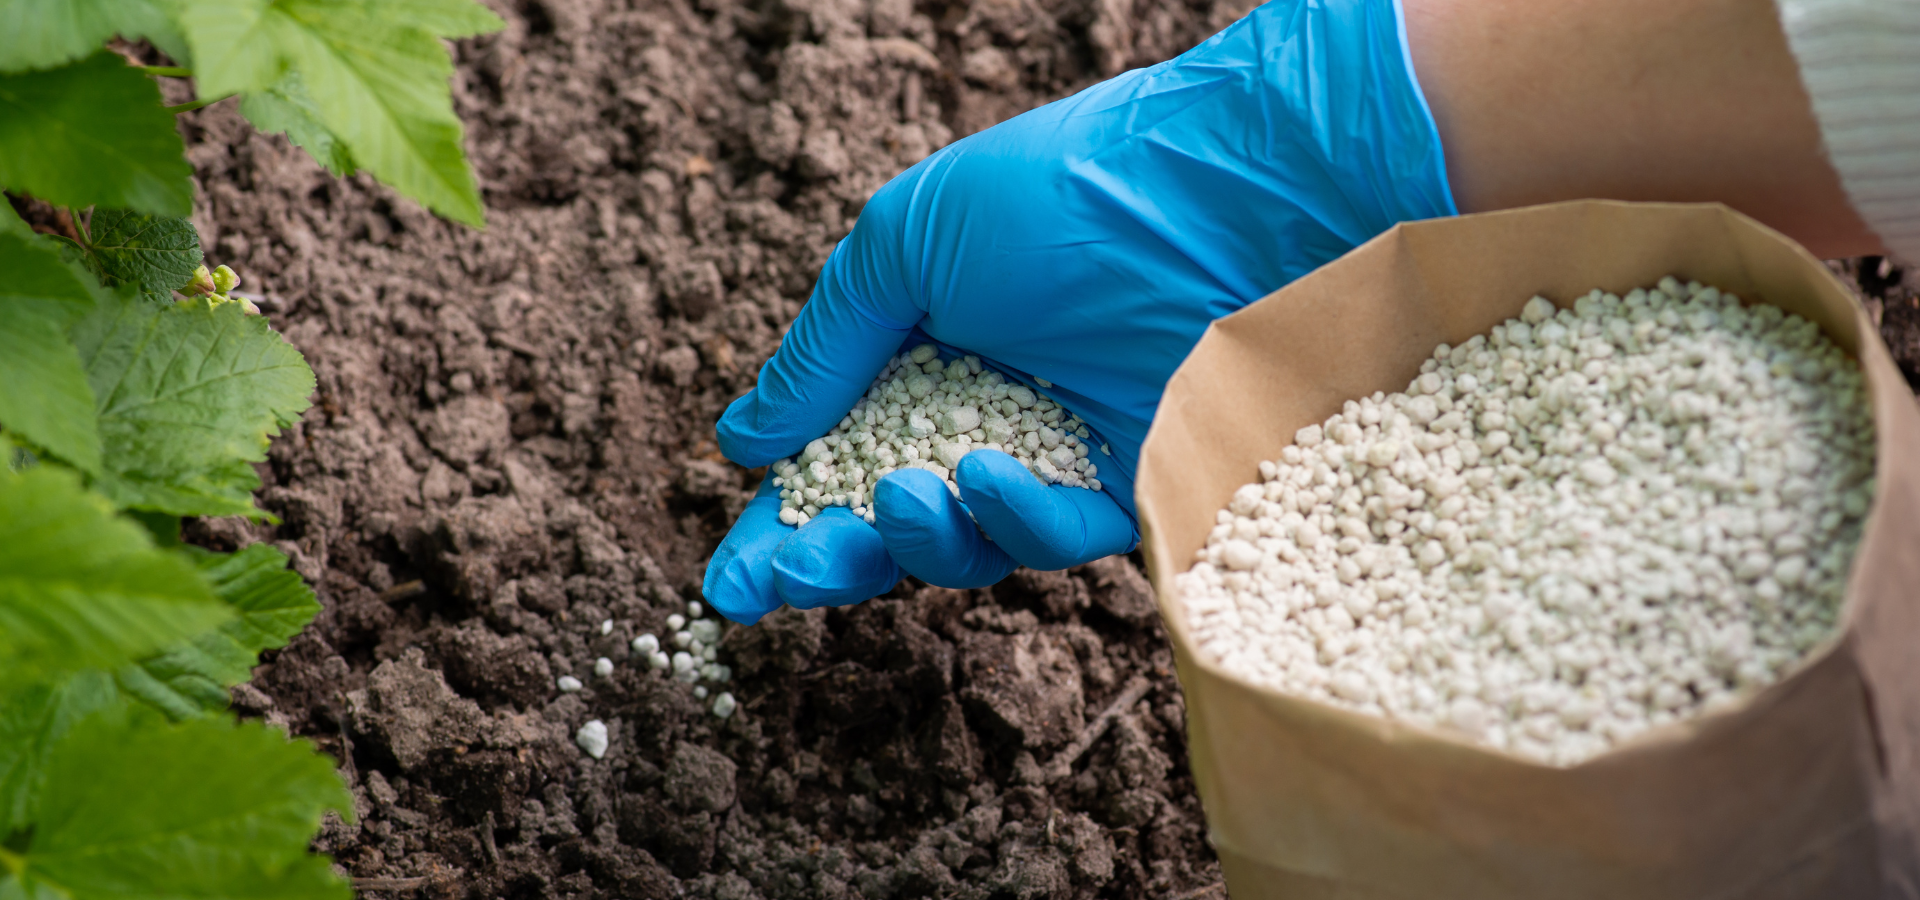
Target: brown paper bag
{"x": 1811, "y": 788}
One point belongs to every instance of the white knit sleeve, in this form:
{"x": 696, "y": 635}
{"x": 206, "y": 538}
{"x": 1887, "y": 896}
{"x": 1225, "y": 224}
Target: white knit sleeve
{"x": 1860, "y": 61}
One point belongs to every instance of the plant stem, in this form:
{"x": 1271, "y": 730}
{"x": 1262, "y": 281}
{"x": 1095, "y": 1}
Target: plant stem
{"x": 166, "y": 71}
{"x": 192, "y": 105}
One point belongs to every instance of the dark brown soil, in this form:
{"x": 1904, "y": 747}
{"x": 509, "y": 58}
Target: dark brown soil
{"x": 512, "y": 443}
{"x": 1891, "y": 291}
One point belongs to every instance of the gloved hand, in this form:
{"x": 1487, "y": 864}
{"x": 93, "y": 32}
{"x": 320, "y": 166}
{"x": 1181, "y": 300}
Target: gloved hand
{"x": 1089, "y": 243}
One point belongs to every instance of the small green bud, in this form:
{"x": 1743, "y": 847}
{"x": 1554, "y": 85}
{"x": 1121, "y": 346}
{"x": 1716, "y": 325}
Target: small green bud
{"x": 202, "y": 282}
{"x": 224, "y": 279}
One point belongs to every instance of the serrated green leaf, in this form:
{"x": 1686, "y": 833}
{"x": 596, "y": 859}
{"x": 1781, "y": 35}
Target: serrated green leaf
{"x": 180, "y": 699}
{"x": 81, "y": 588}
{"x": 206, "y": 808}
{"x": 188, "y": 394}
{"x": 155, "y": 253}
{"x": 443, "y": 18}
{"x": 32, "y": 721}
{"x": 44, "y": 396}
{"x": 43, "y": 33}
{"x": 377, "y": 77}
{"x": 93, "y": 132}
{"x": 286, "y": 108}
{"x": 189, "y": 681}
{"x": 210, "y": 490}
{"x": 272, "y": 605}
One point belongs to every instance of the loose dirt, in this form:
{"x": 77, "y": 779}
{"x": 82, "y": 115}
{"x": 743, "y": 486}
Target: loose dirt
{"x": 512, "y": 443}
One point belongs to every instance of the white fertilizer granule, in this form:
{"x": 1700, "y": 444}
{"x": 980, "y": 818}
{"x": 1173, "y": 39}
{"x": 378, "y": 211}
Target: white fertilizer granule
{"x": 1586, "y": 524}
{"x": 592, "y": 738}
{"x": 926, "y": 414}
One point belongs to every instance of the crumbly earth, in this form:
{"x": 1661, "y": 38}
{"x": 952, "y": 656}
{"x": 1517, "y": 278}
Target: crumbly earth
{"x": 512, "y": 442}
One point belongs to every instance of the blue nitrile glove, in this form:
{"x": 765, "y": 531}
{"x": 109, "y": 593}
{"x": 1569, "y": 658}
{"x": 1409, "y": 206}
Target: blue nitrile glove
{"x": 1089, "y": 243}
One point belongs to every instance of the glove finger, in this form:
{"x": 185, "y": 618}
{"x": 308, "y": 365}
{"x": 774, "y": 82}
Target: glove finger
{"x": 825, "y": 363}
{"x": 1043, "y": 526}
{"x": 739, "y": 581}
{"x": 929, "y": 534}
{"x": 835, "y": 559}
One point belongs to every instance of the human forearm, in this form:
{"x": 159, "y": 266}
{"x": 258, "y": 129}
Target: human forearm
{"x": 1694, "y": 100}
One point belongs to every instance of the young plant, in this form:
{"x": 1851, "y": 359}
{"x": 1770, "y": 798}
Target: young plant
{"x": 136, "y": 389}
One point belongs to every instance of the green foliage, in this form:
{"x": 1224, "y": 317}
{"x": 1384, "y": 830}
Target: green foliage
{"x": 92, "y": 132}
{"x": 121, "y": 774}
{"x": 286, "y": 786}
{"x": 157, "y": 254}
{"x": 38, "y": 298}
{"x": 43, "y": 33}
{"x": 59, "y": 416}
{"x": 81, "y": 588}
{"x": 376, "y": 71}
{"x": 37, "y": 282}
{"x": 271, "y": 605}
{"x": 32, "y": 722}
{"x": 286, "y": 108}
{"x": 223, "y": 374}
{"x": 360, "y": 84}
{"x": 442, "y": 18}
{"x": 105, "y": 633}
{"x": 206, "y": 808}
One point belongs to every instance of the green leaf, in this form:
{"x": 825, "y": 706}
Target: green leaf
{"x": 36, "y": 278}
{"x": 287, "y": 108}
{"x": 272, "y": 604}
{"x": 43, "y": 390}
{"x": 81, "y": 588}
{"x": 44, "y": 396}
{"x": 43, "y": 33}
{"x": 377, "y": 76}
{"x": 188, "y": 681}
{"x": 443, "y": 18}
{"x": 188, "y": 394}
{"x": 156, "y": 253}
{"x": 90, "y": 133}
{"x": 39, "y": 281}
{"x": 10, "y": 221}
{"x": 207, "y": 808}
{"x": 32, "y": 721}
{"x": 154, "y": 20}
{"x": 164, "y": 528}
